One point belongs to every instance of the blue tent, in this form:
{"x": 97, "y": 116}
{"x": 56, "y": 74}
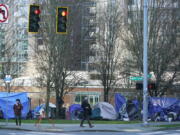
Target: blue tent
{"x": 75, "y": 111}
{"x": 7, "y": 101}
{"x": 75, "y": 107}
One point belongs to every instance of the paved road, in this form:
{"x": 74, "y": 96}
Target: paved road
{"x": 15, "y": 132}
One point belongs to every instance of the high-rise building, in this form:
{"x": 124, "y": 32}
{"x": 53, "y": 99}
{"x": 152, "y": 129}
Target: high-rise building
{"x": 14, "y": 43}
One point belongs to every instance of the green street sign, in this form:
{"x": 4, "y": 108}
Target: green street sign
{"x": 136, "y": 78}
{"x": 139, "y": 78}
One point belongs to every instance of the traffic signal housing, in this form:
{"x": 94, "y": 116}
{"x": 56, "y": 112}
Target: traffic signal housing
{"x": 34, "y": 18}
{"x": 151, "y": 85}
{"x": 139, "y": 86}
{"x": 61, "y": 20}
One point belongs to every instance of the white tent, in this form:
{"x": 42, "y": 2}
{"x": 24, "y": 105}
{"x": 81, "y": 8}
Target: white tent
{"x": 42, "y": 108}
{"x": 107, "y": 111}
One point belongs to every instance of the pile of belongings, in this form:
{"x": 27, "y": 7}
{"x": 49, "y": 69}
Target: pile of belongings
{"x": 164, "y": 109}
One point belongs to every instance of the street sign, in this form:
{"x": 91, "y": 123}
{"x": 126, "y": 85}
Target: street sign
{"x": 139, "y": 78}
{"x": 136, "y": 78}
{"x": 8, "y": 78}
{"x": 4, "y": 13}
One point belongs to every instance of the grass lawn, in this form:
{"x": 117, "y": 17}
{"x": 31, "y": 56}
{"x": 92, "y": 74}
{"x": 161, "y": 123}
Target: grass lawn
{"x": 78, "y": 122}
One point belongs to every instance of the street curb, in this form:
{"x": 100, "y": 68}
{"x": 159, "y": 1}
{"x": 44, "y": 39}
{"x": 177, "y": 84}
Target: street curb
{"x": 169, "y": 128}
{"x": 62, "y": 130}
{"x": 83, "y": 130}
{"x": 16, "y": 129}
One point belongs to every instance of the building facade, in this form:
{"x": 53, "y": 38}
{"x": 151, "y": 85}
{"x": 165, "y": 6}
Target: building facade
{"x": 14, "y": 52}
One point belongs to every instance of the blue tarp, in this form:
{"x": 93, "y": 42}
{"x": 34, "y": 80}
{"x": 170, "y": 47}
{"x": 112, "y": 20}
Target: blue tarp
{"x": 75, "y": 111}
{"x": 75, "y": 107}
{"x": 163, "y": 105}
{"x": 37, "y": 109}
{"x": 96, "y": 113}
{"x": 124, "y": 108}
{"x": 7, "y": 101}
{"x": 119, "y": 101}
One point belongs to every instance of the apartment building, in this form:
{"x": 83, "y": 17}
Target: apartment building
{"x": 14, "y": 43}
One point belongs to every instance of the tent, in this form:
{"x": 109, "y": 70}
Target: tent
{"x": 119, "y": 101}
{"x": 104, "y": 110}
{"x": 163, "y": 106}
{"x": 75, "y": 111}
{"x": 127, "y": 109}
{"x": 7, "y": 101}
{"x": 39, "y": 109}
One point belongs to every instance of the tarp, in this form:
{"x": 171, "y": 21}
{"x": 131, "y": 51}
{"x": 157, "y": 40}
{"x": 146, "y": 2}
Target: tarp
{"x": 75, "y": 107}
{"x": 75, "y": 111}
{"x": 119, "y": 101}
{"x": 42, "y": 107}
{"x": 7, "y": 101}
{"x": 96, "y": 114}
{"x": 163, "y": 106}
{"x": 107, "y": 111}
{"x": 126, "y": 108}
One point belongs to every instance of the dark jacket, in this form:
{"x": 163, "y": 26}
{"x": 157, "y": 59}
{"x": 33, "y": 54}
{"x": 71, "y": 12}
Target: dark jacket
{"x": 86, "y": 107}
{"x": 17, "y": 109}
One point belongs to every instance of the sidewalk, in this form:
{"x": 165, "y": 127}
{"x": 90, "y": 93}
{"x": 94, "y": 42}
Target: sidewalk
{"x": 76, "y": 128}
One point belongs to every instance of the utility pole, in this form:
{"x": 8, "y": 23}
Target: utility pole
{"x": 145, "y": 62}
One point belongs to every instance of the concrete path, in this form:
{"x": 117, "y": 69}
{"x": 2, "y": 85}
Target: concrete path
{"x": 76, "y": 128}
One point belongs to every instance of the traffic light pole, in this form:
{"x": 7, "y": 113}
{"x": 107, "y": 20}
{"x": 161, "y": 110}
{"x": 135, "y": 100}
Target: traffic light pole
{"x": 145, "y": 63}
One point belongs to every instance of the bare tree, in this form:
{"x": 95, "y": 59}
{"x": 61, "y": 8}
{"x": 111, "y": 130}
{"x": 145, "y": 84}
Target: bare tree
{"x": 108, "y": 48}
{"x": 53, "y": 58}
{"x": 163, "y": 48}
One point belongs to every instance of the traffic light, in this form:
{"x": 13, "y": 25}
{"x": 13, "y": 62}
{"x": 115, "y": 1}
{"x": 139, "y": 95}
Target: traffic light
{"x": 34, "y": 13}
{"x": 151, "y": 86}
{"x": 61, "y": 20}
{"x": 139, "y": 86}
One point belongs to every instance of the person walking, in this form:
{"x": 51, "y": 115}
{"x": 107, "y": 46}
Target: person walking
{"x": 17, "y": 111}
{"x": 86, "y": 112}
{"x": 41, "y": 116}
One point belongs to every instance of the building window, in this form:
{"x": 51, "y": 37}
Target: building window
{"x": 93, "y": 97}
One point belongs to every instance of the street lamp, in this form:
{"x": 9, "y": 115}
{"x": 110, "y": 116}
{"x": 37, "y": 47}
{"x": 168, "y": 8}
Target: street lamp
{"x": 7, "y": 80}
{"x": 145, "y": 62}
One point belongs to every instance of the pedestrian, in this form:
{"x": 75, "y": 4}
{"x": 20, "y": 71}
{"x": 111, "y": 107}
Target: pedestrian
{"x": 41, "y": 116}
{"x": 17, "y": 111}
{"x": 1, "y": 113}
{"x": 86, "y": 112}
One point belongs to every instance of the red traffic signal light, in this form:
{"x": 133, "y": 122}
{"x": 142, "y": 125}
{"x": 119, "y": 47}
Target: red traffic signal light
{"x": 34, "y": 18}
{"x": 37, "y": 11}
{"x": 62, "y": 18}
{"x": 152, "y": 86}
{"x": 64, "y": 13}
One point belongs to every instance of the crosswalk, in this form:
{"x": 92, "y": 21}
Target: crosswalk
{"x": 166, "y": 132}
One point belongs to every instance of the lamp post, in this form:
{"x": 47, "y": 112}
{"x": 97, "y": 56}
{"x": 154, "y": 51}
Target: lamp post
{"x": 7, "y": 84}
{"x": 145, "y": 62}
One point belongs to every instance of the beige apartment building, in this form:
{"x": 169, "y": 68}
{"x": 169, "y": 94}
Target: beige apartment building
{"x": 84, "y": 43}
